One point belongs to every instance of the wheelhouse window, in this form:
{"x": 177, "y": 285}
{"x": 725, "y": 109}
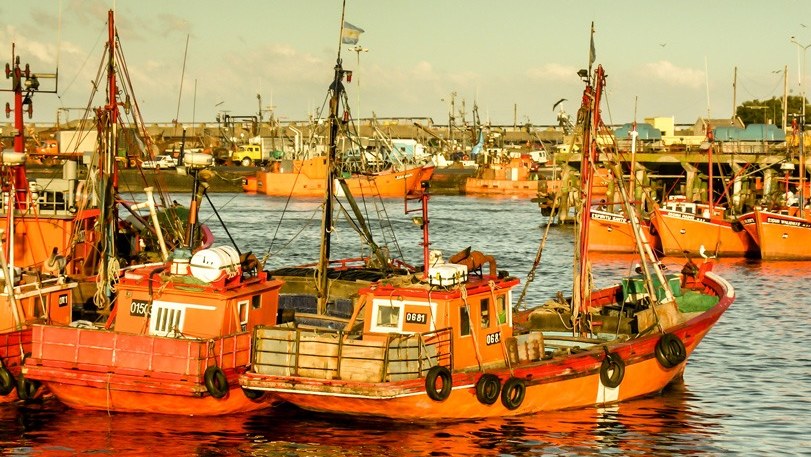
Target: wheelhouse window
{"x": 242, "y": 312}
{"x": 464, "y": 321}
{"x": 501, "y": 309}
{"x": 485, "y": 312}
{"x": 256, "y": 301}
{"x": 388, "y": 316}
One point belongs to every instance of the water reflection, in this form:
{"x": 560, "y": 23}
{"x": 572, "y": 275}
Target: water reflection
{"x": 653, "y": 426}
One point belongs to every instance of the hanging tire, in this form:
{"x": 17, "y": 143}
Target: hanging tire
{"x": 26, "y": 389}
{"x": 670, "y": 350}
{"x": 487, "y": 389}
{"x": 513, "y": 393}
{"x": 216, "y": 382}
{"x": 253, "y": 394}
{"x": 612, "y": 370}
{"x": 247, "y": 162}
{"x": 652, "y": 230}
{"x": 7, "y": 381}
{"x": 443, "y": 376}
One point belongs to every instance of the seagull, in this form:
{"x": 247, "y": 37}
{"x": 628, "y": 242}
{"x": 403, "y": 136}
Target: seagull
{"x": 662, "y": 44}
{"x": 558, "y": 103}
{"x": 55, "y": 264}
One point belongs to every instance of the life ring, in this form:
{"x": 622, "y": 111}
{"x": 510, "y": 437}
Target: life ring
{"x": 216, "y": 382}
{"x": 253, "y": 394}
{"x": 670, "y": 350}
{"x": 487, "y": 389}
{"x": 26, "y": 389}
{"x": 444, "y": 376}
{"x": 513, "y": 393}
{"x": 612, "y": 370}
{"x": 7, "y": 381}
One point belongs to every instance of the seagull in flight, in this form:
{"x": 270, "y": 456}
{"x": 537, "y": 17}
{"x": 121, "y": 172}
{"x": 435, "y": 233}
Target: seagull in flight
{"x": 662, "y": 44}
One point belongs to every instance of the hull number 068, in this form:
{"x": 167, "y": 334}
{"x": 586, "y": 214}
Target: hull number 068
{"x": 493, "y": 338}
{"x": 416, "y": 318}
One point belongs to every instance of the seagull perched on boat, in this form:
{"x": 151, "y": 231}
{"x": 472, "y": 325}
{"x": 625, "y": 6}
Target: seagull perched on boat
{"x": 702, "y": 251}
{"x": 55, "y": 264}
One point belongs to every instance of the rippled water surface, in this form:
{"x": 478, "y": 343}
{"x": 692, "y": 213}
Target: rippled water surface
{"x": 746, "y": 389}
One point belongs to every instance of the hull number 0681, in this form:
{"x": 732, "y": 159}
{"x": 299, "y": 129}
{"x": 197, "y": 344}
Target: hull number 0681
{"x": 493, "y": 338}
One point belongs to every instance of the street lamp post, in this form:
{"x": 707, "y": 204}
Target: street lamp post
{"x": 802, "y": 122}
{"x": 358, "y": 49}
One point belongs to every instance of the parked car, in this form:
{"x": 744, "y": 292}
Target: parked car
{"x": 161, "y": 161}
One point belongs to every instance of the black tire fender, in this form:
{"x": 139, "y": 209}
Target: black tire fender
{"x": 488, "y": 388}
{"x": 7, "y": 381}
{"x": 670, "y": 350}
{"x": 26, "y": 389}
{"x": 443, "y": 375}
{"x": 253, "y": 394}
{"x": 216, "y": 382}
{"x": 513, "y": 393}
{"x": 612, "y": 370}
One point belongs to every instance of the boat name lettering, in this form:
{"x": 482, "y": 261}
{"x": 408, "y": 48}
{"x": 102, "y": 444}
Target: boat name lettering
{"x": 139, "y": 308}
{"x": 774, "y": 220}
{"x": 62, "y": 300}
{"x": 608, "y": 217}
{"x": 416, "y": 318}
{"x": 687, "y": 216}
{"x": 493, "y": 338}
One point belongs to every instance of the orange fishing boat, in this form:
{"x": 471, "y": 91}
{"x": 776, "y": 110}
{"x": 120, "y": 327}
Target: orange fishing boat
{"x": 783, "y": 234}
{"x": 306, "y": 178}
{"x": 444, "y": 344}
{"x": 37, "y": 230}
{"x": 32, "y": 299}
{"x": 46, "y": 221}
{"x": 698, "y": 228}
{"x": 512, "y": 178}
{"x": 612, "y": 232}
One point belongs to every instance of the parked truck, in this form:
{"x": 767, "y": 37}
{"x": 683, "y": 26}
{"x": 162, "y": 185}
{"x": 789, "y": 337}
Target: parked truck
{"x": 258, "y": 151}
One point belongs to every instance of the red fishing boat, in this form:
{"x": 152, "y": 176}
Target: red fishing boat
{"x": 175, "y": 344}
{"x": 177, "y": 333}
{"x": 445, "y": 344}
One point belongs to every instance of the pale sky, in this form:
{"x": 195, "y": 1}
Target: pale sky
{"x": 669, "y": 56}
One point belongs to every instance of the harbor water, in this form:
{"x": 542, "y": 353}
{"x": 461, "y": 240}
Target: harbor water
{"x": 746, "y": 389}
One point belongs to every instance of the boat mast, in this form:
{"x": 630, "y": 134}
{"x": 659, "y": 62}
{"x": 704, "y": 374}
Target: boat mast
{"x": 591, "y": 121}
{"x": 336, "y": 91}
{"x": 108, "y": 124}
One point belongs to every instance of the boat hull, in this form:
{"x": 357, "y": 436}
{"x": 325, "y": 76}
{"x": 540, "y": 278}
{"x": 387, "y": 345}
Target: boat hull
{"x": 112, "y": 371}
{"x": 685, "y": 232}
{"x": 307, "y": 178}
{"x": 573, "y": 381}
{"x": 502, "y": 187}
{"x": 612, "y": 233}
{"x": 783, "y": 237}
{"x": 97, "y": 391}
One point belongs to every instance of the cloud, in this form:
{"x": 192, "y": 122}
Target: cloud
{"x": 670, "y": 74}
{"x": 553, "y": 72}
